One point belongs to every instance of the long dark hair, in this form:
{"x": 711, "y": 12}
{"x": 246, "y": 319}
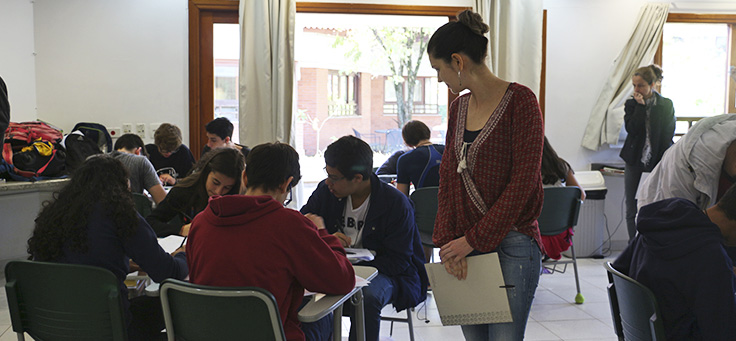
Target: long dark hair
{"x": 227, "y": 161}
{"x": 100, "y": 183}
{"x": 553, "y": 167}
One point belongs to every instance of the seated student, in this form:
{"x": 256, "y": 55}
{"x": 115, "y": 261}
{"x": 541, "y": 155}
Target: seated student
{"x": 128, "y": 149}
{"x": 229, "y": 238}
{"x": 220, "y": 134}
{"x": 167, "y": 153}
{"x": 679, "y": 254}
{"x": 217, "y": 173}
{"x": 389, "y": 166}
{"x": 556, "y": 172}
{"x": 420, "y": 166}
{"x": 93, "y": 221}
{"x": 364, "y": 212}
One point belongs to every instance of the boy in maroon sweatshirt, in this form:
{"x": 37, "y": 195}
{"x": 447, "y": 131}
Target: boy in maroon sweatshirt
{"x": 253, "y": 240}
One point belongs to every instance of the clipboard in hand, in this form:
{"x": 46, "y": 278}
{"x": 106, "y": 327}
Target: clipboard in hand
{"x": 479, "y": 299}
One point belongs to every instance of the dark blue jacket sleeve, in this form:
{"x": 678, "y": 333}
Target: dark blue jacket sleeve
{"x": 143, "y": 248}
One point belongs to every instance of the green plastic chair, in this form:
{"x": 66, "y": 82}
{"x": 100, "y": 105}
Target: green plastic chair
{"x": 425, "y": 212}
{"x": 55, "y": 301}
{"x": 634, "y": 308}
{"x": 143, "y": 205}
{"x": 559, "y": 212}
{"x": 200, "y": 312}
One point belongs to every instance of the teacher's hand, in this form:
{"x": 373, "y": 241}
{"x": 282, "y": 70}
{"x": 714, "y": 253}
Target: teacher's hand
{"x": 453, "y": 255}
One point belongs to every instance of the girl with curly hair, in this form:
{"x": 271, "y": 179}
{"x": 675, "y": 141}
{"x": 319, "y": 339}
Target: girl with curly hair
{"x": 217, "y": 173}
{"x": 92, "y": 221}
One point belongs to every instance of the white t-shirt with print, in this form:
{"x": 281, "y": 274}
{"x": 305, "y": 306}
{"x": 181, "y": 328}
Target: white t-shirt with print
{"x": 354, "y": 220}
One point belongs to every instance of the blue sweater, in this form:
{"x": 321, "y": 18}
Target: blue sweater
{"x": 389, "y": 230}
{"x": 109, "y": 251}
{"x": 678, "y": 254}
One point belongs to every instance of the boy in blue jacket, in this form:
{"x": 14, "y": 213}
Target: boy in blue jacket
{"x": 364, "y": 212}
{"x": 679, "y": 254}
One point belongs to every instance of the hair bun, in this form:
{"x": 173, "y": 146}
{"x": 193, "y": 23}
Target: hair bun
{"x": 473, "y": 21}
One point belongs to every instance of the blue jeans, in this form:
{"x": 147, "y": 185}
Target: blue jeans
{"x": 632, "y": 176}
{"x": 375, "y": 296}
{"x": 520, "y": 264}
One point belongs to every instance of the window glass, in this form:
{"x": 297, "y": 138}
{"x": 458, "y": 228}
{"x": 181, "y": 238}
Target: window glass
{"x": 226, "y": 53}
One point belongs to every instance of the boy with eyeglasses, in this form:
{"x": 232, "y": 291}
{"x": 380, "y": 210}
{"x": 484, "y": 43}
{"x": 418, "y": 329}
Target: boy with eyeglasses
{"x": 253, "y": 240}
{"x": 364, "y": 212}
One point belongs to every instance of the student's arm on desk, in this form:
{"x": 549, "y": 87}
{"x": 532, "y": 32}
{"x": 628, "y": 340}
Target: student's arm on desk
{"x": 164, "y": 212}
{"x": 143, "y": 248}
{"x": 323, "y": 267}
{"x": 157, "y": 193}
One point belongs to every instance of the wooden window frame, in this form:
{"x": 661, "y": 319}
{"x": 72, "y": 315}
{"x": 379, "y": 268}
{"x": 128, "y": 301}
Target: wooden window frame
{"x": 730, "y": 20}
{"x": 203, "y": 13}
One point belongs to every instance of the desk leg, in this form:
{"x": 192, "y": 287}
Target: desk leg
{"x": 337, "y": 324}
{"x": 357, "y": 301}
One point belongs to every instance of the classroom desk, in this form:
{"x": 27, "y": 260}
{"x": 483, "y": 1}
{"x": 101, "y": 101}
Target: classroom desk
{"x": 314, "y": 311}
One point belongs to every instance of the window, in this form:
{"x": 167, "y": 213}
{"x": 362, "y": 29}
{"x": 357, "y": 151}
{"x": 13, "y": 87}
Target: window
{"x": 696, "y": 54}
{"x": 426, "y": 90}
{"x": 342, "y": 94}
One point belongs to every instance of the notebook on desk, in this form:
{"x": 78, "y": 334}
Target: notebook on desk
{"x": 479, "y": 299}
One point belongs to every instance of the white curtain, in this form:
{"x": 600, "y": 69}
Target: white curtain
{"x": 515, "y": 39}
{"x": 266, "y": 70}
{"x": 606, "y": 119}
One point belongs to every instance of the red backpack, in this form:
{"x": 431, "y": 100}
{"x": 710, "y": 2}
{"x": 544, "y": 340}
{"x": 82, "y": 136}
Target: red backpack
{"x": 24, "y": 134}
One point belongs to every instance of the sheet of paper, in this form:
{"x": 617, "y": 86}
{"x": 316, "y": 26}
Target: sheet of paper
{"x": 480, "y": 298}
{"x": 361, "y": 282}
{"x": 358, "y": 255}
{"x": 170, "y": 243}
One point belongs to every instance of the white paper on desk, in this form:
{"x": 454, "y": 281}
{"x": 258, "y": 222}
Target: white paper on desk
{"x": 361, "y": 282}
{"x": 360, "y": 255}
{"x": 478, "y": 299}
{"x": 170, "y": 243}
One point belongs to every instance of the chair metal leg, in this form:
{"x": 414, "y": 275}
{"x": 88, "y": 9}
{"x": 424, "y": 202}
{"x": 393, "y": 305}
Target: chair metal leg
{"x": 337, "y": 324}
{"x": 357, "y": 300}
{"x": 411, "y": 324}
{"x": 579, "y": 299}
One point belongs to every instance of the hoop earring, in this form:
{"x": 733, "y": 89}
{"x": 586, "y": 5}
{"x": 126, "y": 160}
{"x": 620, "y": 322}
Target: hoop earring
{"x": 459, "y": 79}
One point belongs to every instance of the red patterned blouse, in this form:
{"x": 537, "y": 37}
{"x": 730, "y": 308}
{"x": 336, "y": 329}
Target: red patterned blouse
{"x": 499, "y": 186}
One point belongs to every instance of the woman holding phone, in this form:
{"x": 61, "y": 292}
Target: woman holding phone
{"x": 650, "y": 124}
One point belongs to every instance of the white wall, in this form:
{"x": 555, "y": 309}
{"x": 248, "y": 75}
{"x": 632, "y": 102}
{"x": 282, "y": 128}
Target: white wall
{"x": 16, "y": 58}
{"x": 112, "y": 62}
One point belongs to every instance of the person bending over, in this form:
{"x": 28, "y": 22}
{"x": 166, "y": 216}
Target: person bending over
{"x": 217, "y": 173}
{"x": 92, "y": 221}
{"x": 679, "y": 255}
{"x": 128, "y": 149}
{"x": 172, "y": 159}
{"x": 228, "y": 241}
{"x": 364, "y": 212}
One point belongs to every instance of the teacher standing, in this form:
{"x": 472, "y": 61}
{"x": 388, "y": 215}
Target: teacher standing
{"x": 490, "y": 191}
{"x": 650, "y": 124}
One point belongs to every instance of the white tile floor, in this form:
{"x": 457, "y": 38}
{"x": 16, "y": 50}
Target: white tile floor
{"x": 554, "y": 316}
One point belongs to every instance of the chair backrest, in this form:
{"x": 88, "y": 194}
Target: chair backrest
{"x": 425, "y": 209}
{"x": 200, "y": 312}
{"x": 143, "y": 205}
{"x": 634, "y": 308}
{"x": 560, "y": 210}
{"x": 55, "y": 301}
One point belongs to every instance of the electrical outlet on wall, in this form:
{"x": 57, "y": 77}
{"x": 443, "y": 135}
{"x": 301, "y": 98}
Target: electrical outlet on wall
{"x": 153, "y": 127}
{"x": 140, "y": 130}
{"x": 127, "y": 128}
{"x": 115, "y": 132}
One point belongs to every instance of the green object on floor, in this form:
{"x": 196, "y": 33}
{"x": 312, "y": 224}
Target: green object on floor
{"x": 579, "y": 299}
